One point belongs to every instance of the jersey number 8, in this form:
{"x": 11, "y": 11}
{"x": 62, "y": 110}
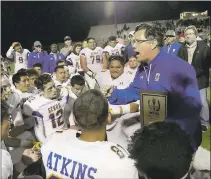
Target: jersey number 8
{"x": 56, "y": 118}
{"x": 20, "y": 59}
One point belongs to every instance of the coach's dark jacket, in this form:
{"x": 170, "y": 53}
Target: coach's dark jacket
{"x": 201, "y": 62}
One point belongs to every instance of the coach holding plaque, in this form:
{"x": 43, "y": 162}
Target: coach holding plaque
{"x": 162, "y": 73}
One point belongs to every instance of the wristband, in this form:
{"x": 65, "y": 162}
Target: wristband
{"x": 115, "y": 111}
{"x": 125, "y": 109}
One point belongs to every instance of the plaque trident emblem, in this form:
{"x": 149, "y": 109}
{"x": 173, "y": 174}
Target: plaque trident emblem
{"x": 154, "y": 105}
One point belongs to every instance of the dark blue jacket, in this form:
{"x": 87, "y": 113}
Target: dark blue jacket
{"x": 167, "y": 73}
{"x": 42, "y": 58}
{"x": 129, "y": 52}
{"x": 172, "y": 49}
{"x": 51, "y": 65}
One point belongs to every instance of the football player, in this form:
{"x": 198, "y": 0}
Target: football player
{"x": 38, "y": 68}
{"x": 87, "y": 155}
{"x": 76, "y": 89}
{"x": 91, "y": 61}
{"x": 33, "y": 75}
{"x": 111, "y": 48}
{"x": 73, "y": 60}
{"x": 47, "y": 108}
{"x": 19, "y": 55}
{"x": 60, "y": 77}
{"x": 115, "y": 76}
{"x": 132, "y": 67}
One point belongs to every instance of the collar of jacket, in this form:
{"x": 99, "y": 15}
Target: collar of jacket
{"x": 192, "y": 45}
{"x": 152, "y": 62}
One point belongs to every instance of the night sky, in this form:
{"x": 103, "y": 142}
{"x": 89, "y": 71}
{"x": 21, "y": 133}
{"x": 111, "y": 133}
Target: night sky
{"x": 49, "y": 22}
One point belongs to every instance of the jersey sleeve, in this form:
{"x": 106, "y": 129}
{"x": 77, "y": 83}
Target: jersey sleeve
{"x": 10, "y": 52}
{"x": 83, "y": 53}
{"x": 39, "y": 126}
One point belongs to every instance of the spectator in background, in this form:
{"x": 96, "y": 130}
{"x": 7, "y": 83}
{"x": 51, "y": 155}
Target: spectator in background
{"x": 38, "y": 68}
{"x": 182, "y": 38}
{"x": 85, "y": 44}
{"x": 73, "y": 60}
{"x": 68, "y": 47}
{"x": 172, "y": 45}
{"x": 197, "y": 53}
{"x": 129, "y": 51}
{"x": 54, "y": 56}
{"x": 38, "y": 56}
{"x": 18, "y": 55}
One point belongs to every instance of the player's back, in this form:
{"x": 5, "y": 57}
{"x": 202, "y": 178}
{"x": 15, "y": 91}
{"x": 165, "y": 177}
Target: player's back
{"x": 111, "y": 50}
{"x": 66, "y": 156}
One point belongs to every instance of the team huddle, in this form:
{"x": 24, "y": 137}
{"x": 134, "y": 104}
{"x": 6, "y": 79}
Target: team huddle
{"x": 61, "y": 113}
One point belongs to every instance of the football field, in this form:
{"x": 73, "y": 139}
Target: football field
{"x": 205, "y": 136}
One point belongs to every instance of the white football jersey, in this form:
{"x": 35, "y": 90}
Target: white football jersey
{"x": 112, "y": 50}
{"x": 15, "y": 102}
{"x": 20, "y": 59}
{"x": 104, "y": 78}
{"x": 7, "y": 165}
{"x": 73, "y": 63}
{"x": 48, "y": 114}
{"x": 131, "y": 72}
{"x": 65, "y": 83}
{"x": 93, "y": 58}
{"x": 66, "y": 156}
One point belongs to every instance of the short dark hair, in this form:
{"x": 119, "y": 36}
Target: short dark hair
{"x": 37, "y": 65}
{"x": 32, "y": 72}
{"x": 91, "y": 110}
{"x": 59, "y": 67}
{"x": 22, "y": 70}
{"x": 90, "y": 38}
{"x": 42, "y": 80}
{"x": 77, "y": 80}
{"x": 162, "y": 150}
{"x": 60, "y": 61}
{"x": 151, "y": 33}
{"x": 116, "y": 58}
{"x": 112, "y": 38}
{"x": 16, "y": 78}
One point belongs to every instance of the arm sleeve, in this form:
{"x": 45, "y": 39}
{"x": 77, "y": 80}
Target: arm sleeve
{"x": 46, "y": 63}
{"x": 127, "y": 95}
{"x": 10, "y": 53}
{"x": 39, "y": 127}
{"x": 30, "y": 60}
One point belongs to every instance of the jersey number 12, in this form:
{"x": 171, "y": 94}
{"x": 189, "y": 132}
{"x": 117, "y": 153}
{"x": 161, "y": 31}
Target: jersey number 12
{"x": 56, "y": 118}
